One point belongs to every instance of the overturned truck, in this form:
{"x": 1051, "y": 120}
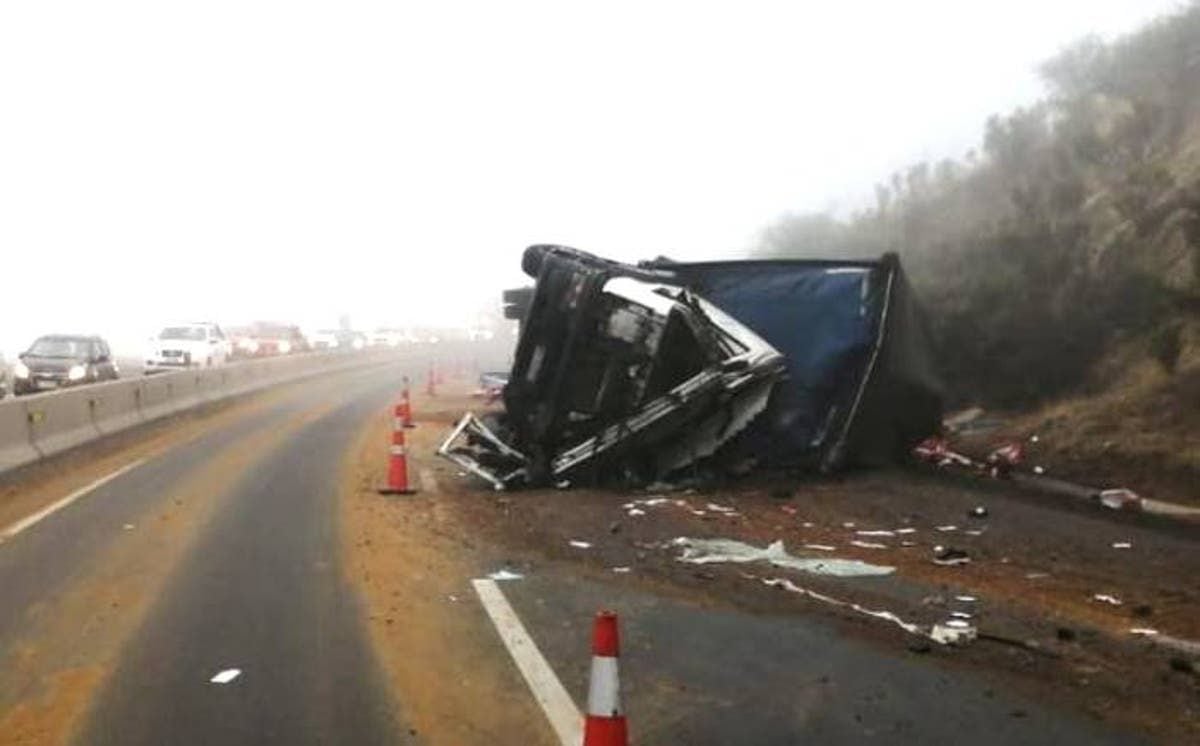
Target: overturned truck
{"x": 632, "y": 374}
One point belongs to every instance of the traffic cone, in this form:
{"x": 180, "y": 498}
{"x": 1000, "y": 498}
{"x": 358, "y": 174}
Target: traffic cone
{"x": 397, "y": 478}
{"x": 605, "y": 723}
{"x": 406, "y": 420}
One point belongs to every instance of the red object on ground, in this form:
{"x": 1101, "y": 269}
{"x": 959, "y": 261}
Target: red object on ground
{"x": 397, "y": 478}
{"x": 605, "y": 723}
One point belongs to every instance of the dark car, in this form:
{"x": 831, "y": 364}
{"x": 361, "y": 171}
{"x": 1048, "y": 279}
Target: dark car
{"x": 60, "y": 360}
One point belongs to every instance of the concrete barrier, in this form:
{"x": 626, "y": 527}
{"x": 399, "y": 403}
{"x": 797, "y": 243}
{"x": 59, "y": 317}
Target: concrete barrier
{"x": 61, "y": 420}
{"x": 45, "y": 424}
{"x": 16, "y": 440}
{"x": 157, "y": 397}
{"x": 116, "y": 406}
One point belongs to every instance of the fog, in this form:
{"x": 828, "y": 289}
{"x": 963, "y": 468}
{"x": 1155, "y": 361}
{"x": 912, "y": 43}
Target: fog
{"x": 298, "y": 161}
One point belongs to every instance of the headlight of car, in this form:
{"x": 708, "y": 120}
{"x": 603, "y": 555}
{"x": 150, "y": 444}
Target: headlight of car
{"x": 77, "y": 372}
{"x": 285, "y": 347}
{"x": 21, "y": 370}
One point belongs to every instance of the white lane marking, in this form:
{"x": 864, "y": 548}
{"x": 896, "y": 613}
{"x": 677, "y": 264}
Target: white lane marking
{"x": 428, "y": 480}
{"x": 549, "y": 692}
{"x": 30, "y": 520}
{"x": 226, "y": 676}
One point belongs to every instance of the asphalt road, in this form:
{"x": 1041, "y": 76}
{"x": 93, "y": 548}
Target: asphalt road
{"x": 223, "y": 552}
{"x": 257, "y": 588}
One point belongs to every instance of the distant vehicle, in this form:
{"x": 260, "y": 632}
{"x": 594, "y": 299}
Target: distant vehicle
{"x": 264, "y": 339}
{"x": 60, "y": 360}
{"x": 390, "y": 338}
{"x": 325, "y": 339}
{"x": 350, "y": 340}
{"x": 190, "y": 345}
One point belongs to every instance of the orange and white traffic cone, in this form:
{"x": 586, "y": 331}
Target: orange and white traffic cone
{"x": 406, "y": 419}
{"x": 605, "y": 723}
{"x": 397, "y": 478}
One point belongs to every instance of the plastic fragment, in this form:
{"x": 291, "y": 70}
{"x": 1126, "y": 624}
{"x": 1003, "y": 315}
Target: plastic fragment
{"x": 505, "y": 574}
{"x": 226, "y": 676}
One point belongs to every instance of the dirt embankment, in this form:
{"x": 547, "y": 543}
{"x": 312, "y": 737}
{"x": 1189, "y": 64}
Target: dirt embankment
{"x": 1139, "y": 428}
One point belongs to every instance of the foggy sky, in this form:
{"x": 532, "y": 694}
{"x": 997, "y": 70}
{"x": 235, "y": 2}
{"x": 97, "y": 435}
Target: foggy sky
{"x": 297, "y": 160}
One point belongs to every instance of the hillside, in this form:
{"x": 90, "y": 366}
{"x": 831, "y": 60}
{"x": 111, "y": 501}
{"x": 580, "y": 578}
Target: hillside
{"x": 1060, "y": 261}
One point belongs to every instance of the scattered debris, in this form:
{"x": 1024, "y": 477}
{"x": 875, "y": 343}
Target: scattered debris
{"x": 226, "y": 676}
{"x": 960, "y": 615}
{"x": 908, "y": 543}
{"x": 807, "y": 524}
{"x": 634, "y": 512}
{"x": 1143, "y": 631}
{"x": 128, "y": 527}
{"x": 1106, "y": 598}
{"x": 787, "y": 585}
{"x": 1039, "y": 470}
{"x": 848, "y": 524}
{"x": 974, "y": 532}
{"x": 820, "y": 547}
{"x": 1120, "y": 499}
{"x": 966, "y": 599}
{"x": 875, "y": 533}
{"x": 947, "y": 528}
{"x": 978, "y": 512}
{"x": 505, "y": 575}
{"x": 905, "y": 531}
{"x": 1181, "y": 664}
{"x": 1066, "y": 634}
{"x": 1001, "y": 461}
{"x": 580, "y": 544}
{"x": 868, "y": 544}
{"x": 1143, "y": 610}
{"x": 1122, "y": 545}
{"x": 950, "y": 556}
{"x": 703, "y": 551}
{"x": 1036, "y": 575}
{"x": 621, "y": 569}
{"x": 951, "y": 633}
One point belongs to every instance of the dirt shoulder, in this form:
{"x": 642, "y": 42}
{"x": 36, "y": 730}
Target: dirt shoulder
{"x": 411, "y": 561}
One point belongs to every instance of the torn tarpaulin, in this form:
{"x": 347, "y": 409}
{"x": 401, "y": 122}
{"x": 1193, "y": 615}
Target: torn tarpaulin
{"x": 632, "y": 373}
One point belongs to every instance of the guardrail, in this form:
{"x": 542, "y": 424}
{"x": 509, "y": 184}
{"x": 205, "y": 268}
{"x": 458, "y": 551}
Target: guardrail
{"x": 35, "y": 427}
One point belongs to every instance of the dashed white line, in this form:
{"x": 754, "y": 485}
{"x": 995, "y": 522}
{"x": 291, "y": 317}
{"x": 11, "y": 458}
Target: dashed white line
{"x": 54, "y": 507}
{"x": 549, "y": 692}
